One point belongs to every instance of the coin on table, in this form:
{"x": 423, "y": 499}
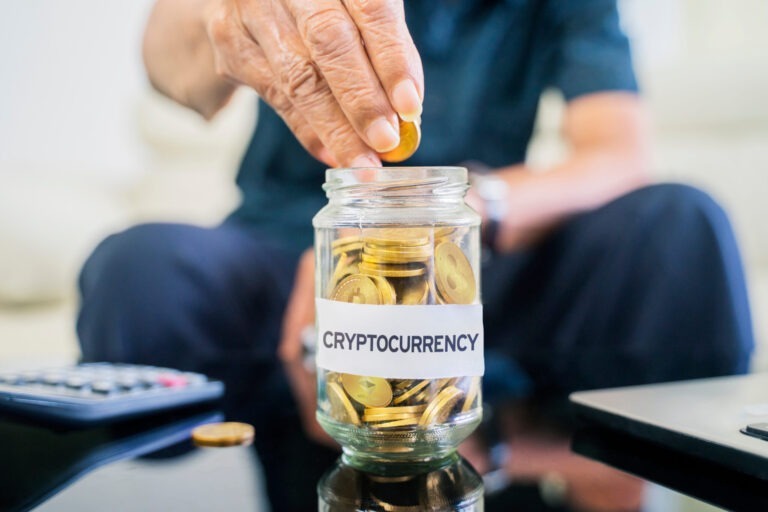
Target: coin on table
{"x": 441, "y": 406}
{"x": 453, "y": 274}
{"x": 229, "y": 433}
{"x": 341, "y": 408}
{"x": 357, "y": 289}
{"x": 369, "y": 391}
{"x": 410, "y": 137}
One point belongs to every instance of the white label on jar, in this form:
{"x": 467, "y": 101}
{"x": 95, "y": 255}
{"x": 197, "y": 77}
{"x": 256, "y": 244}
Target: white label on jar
{"x": 400, "y": 342}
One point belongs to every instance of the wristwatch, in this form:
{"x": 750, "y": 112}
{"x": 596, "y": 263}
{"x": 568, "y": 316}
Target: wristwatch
{"x": 494, "y": 193}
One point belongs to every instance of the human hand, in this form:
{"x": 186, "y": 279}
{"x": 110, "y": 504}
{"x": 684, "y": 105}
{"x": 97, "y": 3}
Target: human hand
{"x": 337, "y": 71}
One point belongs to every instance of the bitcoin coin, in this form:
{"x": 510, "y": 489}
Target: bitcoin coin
{"x": 223, "y": 434}
{"x": 439, "y": 409}
{"x": 386, "y": 290}
{"x": 411, "y": 392}
{"x": 395, "y": 257}
{"x": 341, "y": 408}
{"x": 392, "y": 270}
{"x": 409, "y": 409}
{"x": 474, "y": 388}
{"x": 401, "y": 237}
{"x": 453, "y": 274}
{"x": 372, "y": 418}
{"x": 369, "y": 391}
{"x": 357, "y": 289}
{"x": 398, "y": 423}
{"x": 410, "y": 137}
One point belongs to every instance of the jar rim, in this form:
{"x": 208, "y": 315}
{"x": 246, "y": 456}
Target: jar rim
{"x": 396, "y": 181}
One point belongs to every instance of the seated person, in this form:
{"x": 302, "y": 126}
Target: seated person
{"x": 595, "y": 278}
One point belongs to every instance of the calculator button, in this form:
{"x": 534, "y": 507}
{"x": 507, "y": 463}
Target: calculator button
{"x": 103, "y": 386}
{"x": 129, "y": 382}
{"x": 170, "y": 380}
{"x": 53, "y": 379}
{"x": 30, "y": 376}
{"x": 75, "y": 382}
{"x": 10, "y": 378}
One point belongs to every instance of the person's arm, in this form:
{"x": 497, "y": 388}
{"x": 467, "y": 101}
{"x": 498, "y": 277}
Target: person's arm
{"x": 179, "y": 58}
{"x": 608, "y": 136}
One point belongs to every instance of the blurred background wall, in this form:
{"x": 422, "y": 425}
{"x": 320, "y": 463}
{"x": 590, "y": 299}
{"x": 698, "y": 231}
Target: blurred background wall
{"x": 87, "y": 148}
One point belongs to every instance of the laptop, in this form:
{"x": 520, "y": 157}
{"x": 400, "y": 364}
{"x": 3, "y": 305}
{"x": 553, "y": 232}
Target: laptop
{"x": 723, "y": 420}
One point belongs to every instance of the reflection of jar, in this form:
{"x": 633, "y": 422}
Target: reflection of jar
{"x": 454, "y": 486}
{"x": 400, "y": 338}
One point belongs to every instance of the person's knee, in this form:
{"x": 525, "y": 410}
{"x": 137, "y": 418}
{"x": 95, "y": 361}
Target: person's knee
{"x": 124, "y": 257}
{"x": 676, "y": 213}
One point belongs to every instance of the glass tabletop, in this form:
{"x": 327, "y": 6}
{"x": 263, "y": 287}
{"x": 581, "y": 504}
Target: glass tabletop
{"x": 151, "y": 464}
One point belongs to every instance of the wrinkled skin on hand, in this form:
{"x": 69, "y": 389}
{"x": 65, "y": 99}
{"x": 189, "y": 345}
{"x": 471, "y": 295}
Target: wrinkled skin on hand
{"x": 338, "y": 72}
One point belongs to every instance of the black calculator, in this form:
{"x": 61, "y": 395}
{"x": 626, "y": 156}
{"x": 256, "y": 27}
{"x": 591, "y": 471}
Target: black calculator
{"x": 95, "y": 393}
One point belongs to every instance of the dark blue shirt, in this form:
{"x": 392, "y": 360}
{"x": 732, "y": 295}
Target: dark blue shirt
{"x": 486, "y": 63}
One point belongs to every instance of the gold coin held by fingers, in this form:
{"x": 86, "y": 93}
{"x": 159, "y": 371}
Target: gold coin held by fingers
{"x": 223, "y": 434}
{"x": 410, "y": 137}
{"x": 369, "y": 391}
{"x": 453, "y": 274}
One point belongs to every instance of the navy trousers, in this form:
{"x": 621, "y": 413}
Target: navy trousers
{"x": 647, "y": 288}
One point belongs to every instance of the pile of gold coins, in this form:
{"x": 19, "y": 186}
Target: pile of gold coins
{"x": 406, "y": 266}
{"x": 396, "y": 403}
{"x": 402, "y": 266}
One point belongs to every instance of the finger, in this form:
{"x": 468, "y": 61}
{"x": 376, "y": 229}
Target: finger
{"x": 334, "y": 44}
{"x": 240, "y": 59}
{"x": 392, "y": 52}
{"x": 304, "y": 86}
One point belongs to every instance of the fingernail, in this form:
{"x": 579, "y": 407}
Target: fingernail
{"x": 382, "y": 136}
{"x": 406, "y": 100}
{"x": 365, "y": 161}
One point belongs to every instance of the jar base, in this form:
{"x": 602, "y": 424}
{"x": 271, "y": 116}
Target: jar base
{"x": 383, "y": 451}
{"x": 377, "y": 465}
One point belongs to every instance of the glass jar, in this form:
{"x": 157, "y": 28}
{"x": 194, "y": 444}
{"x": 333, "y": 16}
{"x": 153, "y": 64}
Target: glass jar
{"x": 455, "y": 486}
{"x": 399, "y": 321}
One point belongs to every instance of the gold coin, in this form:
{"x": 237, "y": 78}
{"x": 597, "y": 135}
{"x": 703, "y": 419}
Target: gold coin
{"x": 392, "y": 270}
{"x": 223, "y": 434}
{"x": 357, "y": 289}
{"x": 415, "y": 389}
{"x": 401, "y": 237}
{"x": 395, "y": 257}
{"x": 369, "y": 391}
{"x": 474, "y": 388}
{"x": 395, "y": 410}
{"x": 341, "y": 408}
{"x": 410, "y": 136}
{"x": 386, "y": 290}
{"x": 373, "y": 418}
{"x": 398, "y": 423}
{"x": 440, "y": 408}
{"x": 415, "y": 295}
{"x": 346, "y": 240}
{"x": 453, "y": 274}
